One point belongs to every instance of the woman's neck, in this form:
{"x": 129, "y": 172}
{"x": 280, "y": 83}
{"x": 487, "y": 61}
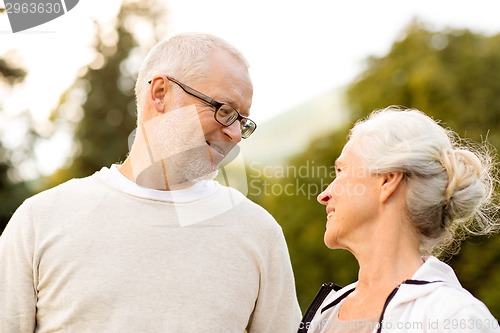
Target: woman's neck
{"x": 387, "y": 258}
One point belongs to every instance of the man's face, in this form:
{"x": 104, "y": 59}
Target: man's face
{"x": 228, "y": 82}
{"x": 192, "y": 142}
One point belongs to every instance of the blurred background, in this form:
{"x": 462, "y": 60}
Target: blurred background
{"x": 67, "y": 105}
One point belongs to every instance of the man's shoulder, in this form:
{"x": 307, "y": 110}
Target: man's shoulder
{"x": 245, "y": 204}
{"x": 76, "y": 187}
{"x": 61, "y": 201}
{"x": 250, "y": 213}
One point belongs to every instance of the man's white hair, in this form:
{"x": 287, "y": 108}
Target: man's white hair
{"x": 184, "y": 56}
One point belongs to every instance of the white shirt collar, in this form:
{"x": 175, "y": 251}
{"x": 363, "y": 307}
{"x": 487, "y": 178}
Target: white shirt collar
{"x": 116, "y": 179}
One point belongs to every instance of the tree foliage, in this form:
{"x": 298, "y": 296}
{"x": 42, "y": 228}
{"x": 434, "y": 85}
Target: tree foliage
{"x": 10, "y": 73}
{"x": 451, "y": 75}
{"x": 12, "y": 191}
{"x": 106, "y": 118}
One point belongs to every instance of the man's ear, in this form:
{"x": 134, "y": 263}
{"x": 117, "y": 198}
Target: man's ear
{"x": 390, "y": 183}
{"x": 158, "y": 93}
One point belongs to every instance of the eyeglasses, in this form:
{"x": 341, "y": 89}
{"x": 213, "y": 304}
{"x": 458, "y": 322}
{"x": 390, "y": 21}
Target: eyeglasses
{"x": 224, "y": 114}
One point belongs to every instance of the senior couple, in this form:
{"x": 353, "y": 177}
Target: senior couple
{"x": 154, "y": 244}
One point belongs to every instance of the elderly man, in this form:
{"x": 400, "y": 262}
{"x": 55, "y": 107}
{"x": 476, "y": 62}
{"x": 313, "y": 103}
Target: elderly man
{"x": 155, "y": 244}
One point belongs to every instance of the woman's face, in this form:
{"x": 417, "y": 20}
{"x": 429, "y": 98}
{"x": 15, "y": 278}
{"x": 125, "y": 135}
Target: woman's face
{"x": 351, "y": 200}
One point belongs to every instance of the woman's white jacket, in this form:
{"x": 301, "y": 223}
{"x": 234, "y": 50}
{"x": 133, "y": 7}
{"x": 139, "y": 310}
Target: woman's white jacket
{"x": 431, "y": 301}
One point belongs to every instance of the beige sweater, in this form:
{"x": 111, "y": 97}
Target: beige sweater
{"x": 87, "y": 256}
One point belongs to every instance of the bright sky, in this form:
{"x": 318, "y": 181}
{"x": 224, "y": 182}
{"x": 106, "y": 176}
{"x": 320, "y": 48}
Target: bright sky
{"x": 297, "y": 49}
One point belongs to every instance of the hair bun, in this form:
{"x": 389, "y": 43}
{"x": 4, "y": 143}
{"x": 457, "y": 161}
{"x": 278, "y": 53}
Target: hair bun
{"x": 465, "y": 190}
{"x": 463, "y": 168}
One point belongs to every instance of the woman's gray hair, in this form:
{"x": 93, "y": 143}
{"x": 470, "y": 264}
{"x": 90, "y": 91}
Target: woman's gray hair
{"x": 184, "y": 56}
{"x": 450, "y": 183}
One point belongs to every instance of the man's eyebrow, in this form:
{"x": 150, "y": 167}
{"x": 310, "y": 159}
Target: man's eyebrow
{"x": 233, "y": 103}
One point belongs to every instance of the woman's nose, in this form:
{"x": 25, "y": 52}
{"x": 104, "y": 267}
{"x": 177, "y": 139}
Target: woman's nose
{"x": 324, "y": 196}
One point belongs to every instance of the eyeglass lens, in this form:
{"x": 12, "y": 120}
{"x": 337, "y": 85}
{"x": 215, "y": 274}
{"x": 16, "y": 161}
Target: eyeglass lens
{"x": 227, "y": 115}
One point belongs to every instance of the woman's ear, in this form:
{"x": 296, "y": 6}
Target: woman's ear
{"x": 158, "y": 93}
{"x": 390, "y": 183}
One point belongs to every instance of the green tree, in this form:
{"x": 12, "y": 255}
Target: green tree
{"x": 453, "y": 76}
{"x": 106, "y": 118}
{"x": 12, "y": 191}
{"x": 9, "y": 73}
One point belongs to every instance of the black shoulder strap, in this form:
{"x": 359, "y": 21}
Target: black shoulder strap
{"x": 337, "y": 300}
{"x": 324, "y": 291}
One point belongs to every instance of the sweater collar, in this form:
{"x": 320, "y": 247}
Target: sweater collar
{"x": 200, "y": 190}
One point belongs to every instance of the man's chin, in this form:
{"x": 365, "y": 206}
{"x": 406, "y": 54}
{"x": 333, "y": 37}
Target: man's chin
{"x": 197, "y": 170}
{"x": 209, "y": 176}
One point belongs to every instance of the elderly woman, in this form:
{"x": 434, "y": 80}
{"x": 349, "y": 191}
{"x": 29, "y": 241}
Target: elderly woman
{"x": 404, "y": 190}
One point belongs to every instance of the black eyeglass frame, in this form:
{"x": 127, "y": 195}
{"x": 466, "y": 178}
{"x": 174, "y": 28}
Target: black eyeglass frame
{"x": 217, "y": 105}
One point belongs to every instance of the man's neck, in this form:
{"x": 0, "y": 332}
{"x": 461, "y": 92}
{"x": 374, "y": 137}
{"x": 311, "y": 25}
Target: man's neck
{"x": 154, "y": 177}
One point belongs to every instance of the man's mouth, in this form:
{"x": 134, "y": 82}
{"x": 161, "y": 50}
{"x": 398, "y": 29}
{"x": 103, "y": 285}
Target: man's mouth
{"x": 217, "y": 149}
